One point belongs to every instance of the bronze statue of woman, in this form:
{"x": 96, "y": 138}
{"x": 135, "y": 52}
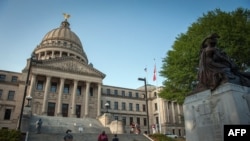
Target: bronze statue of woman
{"x": 216, "y": 68}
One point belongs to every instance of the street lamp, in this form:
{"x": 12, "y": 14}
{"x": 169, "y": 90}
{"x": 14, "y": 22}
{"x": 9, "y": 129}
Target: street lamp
{"x": 107, "y": 106}
{"x": 32, "y": 58}
{"x": 146, "y": 98}
{"x": 29, "y": 98}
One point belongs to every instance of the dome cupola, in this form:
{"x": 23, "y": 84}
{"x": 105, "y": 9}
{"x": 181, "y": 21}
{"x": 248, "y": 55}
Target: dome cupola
{"x": 61, "y": 42}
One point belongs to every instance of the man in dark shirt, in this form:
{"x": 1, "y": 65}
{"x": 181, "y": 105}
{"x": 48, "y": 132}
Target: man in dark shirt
{"x": 115, "y": 138}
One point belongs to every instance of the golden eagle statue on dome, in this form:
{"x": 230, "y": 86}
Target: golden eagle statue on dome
{"x": 66, "y": 16}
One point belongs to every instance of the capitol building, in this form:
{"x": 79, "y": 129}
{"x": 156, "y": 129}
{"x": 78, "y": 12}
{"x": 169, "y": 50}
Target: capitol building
{"x": 59, "y": 81}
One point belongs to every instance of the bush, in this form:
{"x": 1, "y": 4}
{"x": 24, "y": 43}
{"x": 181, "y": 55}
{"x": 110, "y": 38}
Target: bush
{"x": 10, "y": 135}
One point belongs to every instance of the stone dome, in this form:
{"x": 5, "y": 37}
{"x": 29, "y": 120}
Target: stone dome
{"x": 61, "y": 42}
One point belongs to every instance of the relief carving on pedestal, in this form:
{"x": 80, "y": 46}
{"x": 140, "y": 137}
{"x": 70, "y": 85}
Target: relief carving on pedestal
{"x": 207, "y": 114}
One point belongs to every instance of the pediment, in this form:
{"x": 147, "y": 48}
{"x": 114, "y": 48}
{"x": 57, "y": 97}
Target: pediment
{"x": 72, "y": 66}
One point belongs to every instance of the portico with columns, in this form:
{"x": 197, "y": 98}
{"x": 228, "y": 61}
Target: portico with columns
{"x": 72, "y": 96}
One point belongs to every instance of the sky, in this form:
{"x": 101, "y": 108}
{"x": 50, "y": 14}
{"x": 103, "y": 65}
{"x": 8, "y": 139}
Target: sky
{"x": 120, "y": 37}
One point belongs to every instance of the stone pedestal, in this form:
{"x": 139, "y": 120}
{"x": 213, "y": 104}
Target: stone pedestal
{"x": 116, "y": 127}
{"x": 105, "y": 119}
{"x": 207, "y": 112}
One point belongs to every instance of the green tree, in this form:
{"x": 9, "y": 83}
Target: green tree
{"x": 180, "y": 66}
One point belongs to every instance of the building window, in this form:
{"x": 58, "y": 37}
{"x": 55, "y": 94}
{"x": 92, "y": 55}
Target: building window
{"x": 136, "y": 95}
{"x": 137, "y": 107}
{"x": 144, "y": 108}
{"x": 91, "y": 91}
{"x": 116, "y": 117}
{"x": 14, "y": 79}
{"x": 66, "y": 89}
{"x": 1, "y": 93}
{"x": 116, "y": 92}
{"x": 2, "y": 77}
{"x": 138, "y": 121}
{"x": 130, "y": 106}
{"x": 145, "y": 121}
{"x": 116, "y": 105}
{"x": 79, "y": 90}
{"x": 156, "y": 108}
{"x": 123, "y": 106}
{"x": 11, "y": 95}
{"x": 108, "y": 91}
{"x": 53, "y": 87}
{"x": 155, "y": 94}
{"x": 65, "y": 43}
{"x": 157, "y": 120}
{"x": 39, "y": 85}
{"x": 124, "y": 121}
{"x": 130, "y": 94}
{"x": 109, "y": 104}
{"x": 65, "y": 108}
{"x": 131, "y": 120}
{"x": 7, "y": 114}
{"x": 123, "y": 93}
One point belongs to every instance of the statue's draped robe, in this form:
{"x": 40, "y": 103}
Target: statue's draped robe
{"x": 216, "y": 68}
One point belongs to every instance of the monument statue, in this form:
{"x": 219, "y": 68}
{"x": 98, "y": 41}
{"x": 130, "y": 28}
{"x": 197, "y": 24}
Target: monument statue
{"x": 216, "y": 68}
{"x": 221, "y": 97}
{"x": 66, "y": 16}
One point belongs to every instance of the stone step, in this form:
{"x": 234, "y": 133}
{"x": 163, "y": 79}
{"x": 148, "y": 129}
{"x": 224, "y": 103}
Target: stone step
{"x": 61, "y": 124}
{"x": 84, "y": 137}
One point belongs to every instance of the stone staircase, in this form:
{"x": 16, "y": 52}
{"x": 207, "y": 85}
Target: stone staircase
{"x": 84, "y": 137}
{"x": 61, "y": 124}
{"x": 54, "y": 128}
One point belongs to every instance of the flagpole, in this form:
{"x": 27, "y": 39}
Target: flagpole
{"x": 157, "y": 95}
{"x": 146, "y": 70}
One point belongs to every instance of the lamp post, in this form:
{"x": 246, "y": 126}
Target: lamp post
{"x": 25, "y": 89}
{"x": 29, "y": 98}
{"x": 107, "y": 106}
{"x": 146, "y": 98}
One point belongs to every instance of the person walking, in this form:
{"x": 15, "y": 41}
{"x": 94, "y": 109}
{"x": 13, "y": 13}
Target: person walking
{"x": 39, "y": 126}
{"x": 103, "y": 136}
{"x": 115, "y": 138}
{"x": 68, "y": 136}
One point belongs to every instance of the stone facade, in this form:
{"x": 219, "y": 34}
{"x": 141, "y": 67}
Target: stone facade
{"x": 62, "y": 83}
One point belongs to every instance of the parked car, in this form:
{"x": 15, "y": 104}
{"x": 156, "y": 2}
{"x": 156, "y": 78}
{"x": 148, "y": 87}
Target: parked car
{"x": 171, "y": 135}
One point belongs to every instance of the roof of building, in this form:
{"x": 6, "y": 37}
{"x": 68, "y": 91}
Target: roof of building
{"x": 62, "y": 38}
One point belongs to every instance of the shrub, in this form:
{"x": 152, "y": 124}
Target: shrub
{"x": 10, "y": 135}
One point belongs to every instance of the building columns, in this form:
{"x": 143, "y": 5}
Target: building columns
{"x": 32, "y": 84}
{"x": 179, "y": 113}
{"x": 173, "y": 112}
{"x": 167, "y": 111}
{"x": 59, "y": 100}
{"x": 45, "y": 103}
{"x": 73, "y": 102}
{"x": 99, "y": 100}
{"x": 87, "y": 99}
